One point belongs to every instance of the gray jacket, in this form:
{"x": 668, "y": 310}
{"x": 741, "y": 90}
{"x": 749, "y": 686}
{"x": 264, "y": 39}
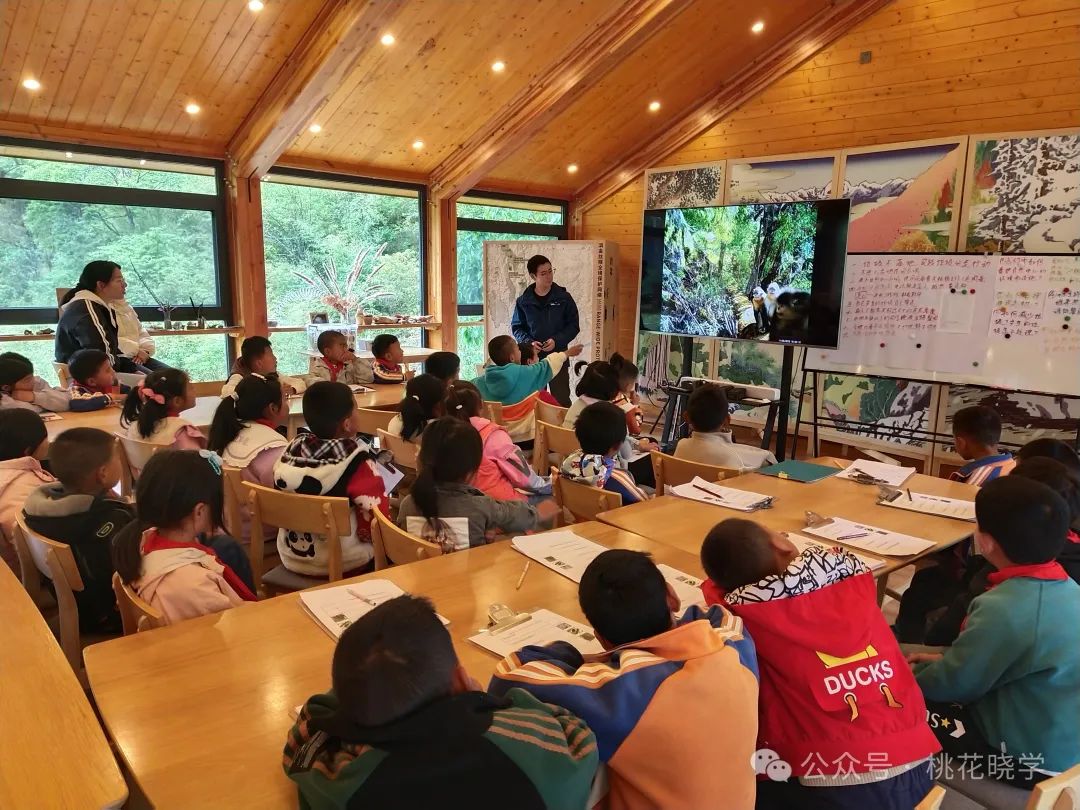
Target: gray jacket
{"x": 483, "y": 513}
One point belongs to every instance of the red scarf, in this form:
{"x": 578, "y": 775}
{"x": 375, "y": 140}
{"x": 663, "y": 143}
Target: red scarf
{"x": 335, "y": 368}
{"x": 268, "y": 424}
{"x": 1051, "y": 571}
{"x": 155, "y": 542}
{"x": 1072, "y": 537}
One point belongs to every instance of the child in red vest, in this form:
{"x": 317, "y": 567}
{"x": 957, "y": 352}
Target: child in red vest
{"x": 842, "y": 722}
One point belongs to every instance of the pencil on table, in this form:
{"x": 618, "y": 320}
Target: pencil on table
{"x": 521, "y": 579}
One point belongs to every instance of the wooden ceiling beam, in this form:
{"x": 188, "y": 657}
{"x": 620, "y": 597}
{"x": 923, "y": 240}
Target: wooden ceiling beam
{"x": 606, "y": 43}
{"x": 341, "y": 32}
{"x": 801, "y": 45}
{"x": 108, "y": 138}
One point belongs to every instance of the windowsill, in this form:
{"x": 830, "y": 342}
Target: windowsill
{"x": 219, "y": 330}
{"x": 364, "y": 328}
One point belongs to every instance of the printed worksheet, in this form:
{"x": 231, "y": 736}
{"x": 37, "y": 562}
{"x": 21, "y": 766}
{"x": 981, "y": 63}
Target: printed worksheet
{"x": 869, "y": 538}
{"x": 874, "y": 472}
{"x": 564, "y": 552}
{"x": 741, "y": 500}
{"x": 686, "y": 587}
{"x": 803, "y": 543}
{"x": 334, "y": 609}
{"x": 932, "y": 505}
{"x": 541, "y": 628}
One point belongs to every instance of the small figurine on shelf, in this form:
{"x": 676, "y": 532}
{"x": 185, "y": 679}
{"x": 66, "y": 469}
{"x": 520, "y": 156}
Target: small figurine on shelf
{"x": 200, "y": 319}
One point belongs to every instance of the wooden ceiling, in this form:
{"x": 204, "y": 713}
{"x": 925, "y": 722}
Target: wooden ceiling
{"x": 119, "y": 72}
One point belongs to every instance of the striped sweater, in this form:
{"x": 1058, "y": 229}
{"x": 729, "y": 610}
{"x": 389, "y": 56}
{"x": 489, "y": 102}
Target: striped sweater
{"x": 469, "y": 750}
{"x": 983, "y": 470}
{"x": 675, "y": 715}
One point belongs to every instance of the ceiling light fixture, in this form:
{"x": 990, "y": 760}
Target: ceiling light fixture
{"x": 387, "y": 39}
{"x": 654, "y": 106}
{"x": 498, "y": 66}
{"x": 314, "y": 129}
{"x": 192, "y": 108}
{"x": 572, "y": 168}
{"x": 256, "y": 5}
{"x": 758, "y": 27}
{"x": 418, "y": 145}
{"x": 31, "y": 84}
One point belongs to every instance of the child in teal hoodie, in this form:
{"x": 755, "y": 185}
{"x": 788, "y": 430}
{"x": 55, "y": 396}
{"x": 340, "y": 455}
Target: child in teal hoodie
{"x": 1008, "y": 690}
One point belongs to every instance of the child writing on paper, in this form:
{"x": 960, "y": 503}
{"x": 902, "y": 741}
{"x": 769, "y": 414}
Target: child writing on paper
{"x": 406, "y": 727}
{"x": 663, "y": 685}
{"x": 423, "y": 403}
{"x": 257, "y": 357}
{"x": 1012, "y": 677}
{"x": 93, "y": 381}
{"x": 601, "y": 431}
{"x": 833, "y": 678}
{"x": 24, "y": 442}
{"x": 21, "y": 388}
{"x": 444, "y": 508}
{"x": 152, "y": 411}
{"x": 165, "y": 555}
{"x": 337, "y": 363}
{"x": 711, "y": 441}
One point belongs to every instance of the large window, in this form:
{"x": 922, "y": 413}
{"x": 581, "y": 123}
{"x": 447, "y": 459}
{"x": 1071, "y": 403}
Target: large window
{"x": 161, "y": 220}
{"x": 335, "y": 245}
{"x": 484, "y": 217}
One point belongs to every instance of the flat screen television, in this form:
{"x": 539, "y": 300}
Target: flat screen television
{"x": 756, "y": 271}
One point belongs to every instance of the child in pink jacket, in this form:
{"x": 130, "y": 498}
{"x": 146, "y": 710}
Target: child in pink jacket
{"x": 163, "y": 554}
{"x": 23, "y": 443}
{"x": 152, "y": 411}
{"x": 504, "y": 470}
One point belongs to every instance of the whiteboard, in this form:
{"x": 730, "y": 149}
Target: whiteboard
{"x": 1005, "y": 321}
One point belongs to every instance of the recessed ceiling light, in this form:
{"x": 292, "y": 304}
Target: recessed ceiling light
{"x": 758, "y": 27}
{"x": 418, "y": 145}
{"x": 572, "y": 168}
{"x": 498, "y": 66}
{"x": 256, "y": 5}
{"x": 654, "y": 106}
{"x": 387, "y": 39}
{"x": 314, "y": 129}
{"x": 192, "y": 108}
{"x": 31, "y": 84}
{"x": 142, "y": 161}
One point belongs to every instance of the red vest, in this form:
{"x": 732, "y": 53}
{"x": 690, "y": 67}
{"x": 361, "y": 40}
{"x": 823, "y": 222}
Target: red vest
{"x": 837, "y": 696}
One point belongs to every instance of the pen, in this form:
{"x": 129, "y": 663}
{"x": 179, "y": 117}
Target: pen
{"x": 361, "y": 597}
{"x": 852, "y": 536}
{"x": 909, "y": 495}
{"x": 524, "y": 571}
{"x": 718, "y": 497}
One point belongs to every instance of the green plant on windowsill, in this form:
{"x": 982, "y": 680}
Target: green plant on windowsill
{"x": 326, "y": 286}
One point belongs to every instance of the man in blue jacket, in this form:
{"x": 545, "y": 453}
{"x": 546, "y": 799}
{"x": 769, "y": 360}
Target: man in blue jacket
{"x": 546, "y": 316}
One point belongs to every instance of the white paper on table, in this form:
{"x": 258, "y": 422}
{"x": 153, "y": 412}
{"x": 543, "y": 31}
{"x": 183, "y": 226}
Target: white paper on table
{"x": 686, "y": 587}
{"x": 49, "y": 416}
{"x": 870, "y": 538}
{"x": 933, "y": 505}
{"x": 888, "y": 474}
{"x": 564, "y": 553}
{"x": 361, "y": 389}
{"x": 701, "y": 490}
{"x": 803, "y": 543}
{"x": 544, "y": 627}
{"x": 334, "y": 609}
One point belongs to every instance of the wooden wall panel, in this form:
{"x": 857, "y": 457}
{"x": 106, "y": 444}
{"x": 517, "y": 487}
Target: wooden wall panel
{"x": 938, "y": 68}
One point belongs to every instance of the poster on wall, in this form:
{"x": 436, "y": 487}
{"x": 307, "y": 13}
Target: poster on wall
{"x": 1023, "y": 194}
{"x": 1024, "y": 417}
{"x": 659, "y": 361}
{"x": 903, "y": 200}
{"x": 753, "y": 363}
{"x": 781, "y": 179}
{"x": 876, "y": 408}
{"x": 685, "y": 186}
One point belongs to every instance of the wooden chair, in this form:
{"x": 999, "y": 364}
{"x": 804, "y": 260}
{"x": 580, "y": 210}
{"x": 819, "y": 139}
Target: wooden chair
{"x": 1061, "y": 792}
{"x": 235, "y": 496}
{"x": 63, "y": 376}
{"x": 549, "y": 414}
{"x": 552, "y": 414}
{"x": 313, "y": 514}
{"x": 394, "y": 546}
{"x": 405, "y": 453}
{"x": 671, "y": 471}
{"x": 933, "y": 799}
{"x": 135, "y": 613}
{"x": 494, "y": 412}
{"x": 33, "y": 564}
{"x": 582, "y": 501}
{"x": 551, "y": 438}
{"x": 134, "y": 454}
{"x": 372, "y": 420}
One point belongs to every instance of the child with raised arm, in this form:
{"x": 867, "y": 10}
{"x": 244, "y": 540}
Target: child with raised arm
{"x": 152, "y": 411}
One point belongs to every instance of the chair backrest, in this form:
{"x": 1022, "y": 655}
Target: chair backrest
{"x": 62, "y": 374}
{"x": 60, "y": 567}
{"x": 405, "y": 452}
{"x": 933, "y": 799}
{"x": 313, "y": 514}
{"x": 372, "y": 420}
{"x": 552, "y": 414}
{"x": 671, "y": 472}
{"x": 33, "y": 562}
{"x": 235, "y": 498}
{"x": 1061, "y": 792}
{"x": 545, "y": 413}
{"x": 135, "y": 613}
{"x": 556, "y": 439}
{"x": 494, "y": 411}
{"x": 582, "y": 501}
{"x": 134, "y": 455}
{"x": 395, "y": 546}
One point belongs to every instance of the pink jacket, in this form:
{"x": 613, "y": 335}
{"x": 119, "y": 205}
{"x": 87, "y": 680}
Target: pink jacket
{"x": 184, "y": 583}
{"x": 504, "y": 468}
{"x": 255, "y": 451}
{"x": 18, "y": 478}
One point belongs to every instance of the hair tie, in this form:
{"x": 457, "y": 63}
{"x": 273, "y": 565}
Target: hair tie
{"x": 149, "y": 393}
{"x": 213, "y": 458}
{"x": 414, "y": 396}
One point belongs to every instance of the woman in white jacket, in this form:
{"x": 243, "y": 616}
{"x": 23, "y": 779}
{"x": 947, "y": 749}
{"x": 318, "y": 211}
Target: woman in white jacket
{"x": 133, "y": 339}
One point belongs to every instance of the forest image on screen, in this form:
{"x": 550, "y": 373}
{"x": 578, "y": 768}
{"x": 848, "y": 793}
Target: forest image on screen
{"x": 739, "y": 271}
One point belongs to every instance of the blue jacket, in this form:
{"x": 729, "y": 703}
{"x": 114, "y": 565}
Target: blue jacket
{"x": 1016, "y": 665}
{"x": 553, "y": 316}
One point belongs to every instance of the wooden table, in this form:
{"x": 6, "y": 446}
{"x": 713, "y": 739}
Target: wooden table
{"x": 199, "y": 711}
{"x": 53, "y": 750}
{"x": 383, "y": 397}
{"x": 683, "y": 523}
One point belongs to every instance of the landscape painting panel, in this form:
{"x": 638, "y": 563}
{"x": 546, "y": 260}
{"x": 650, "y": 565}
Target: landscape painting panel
{"x": 781, "y": 180}
{"x": 1024, "y": 195}
{"x": 1024, "y": 417}
{"x": 684, "y": 188}
{"x": 876, "y": 408}
{"x": 902, "y": 200}
{"x": 751, "y": 363}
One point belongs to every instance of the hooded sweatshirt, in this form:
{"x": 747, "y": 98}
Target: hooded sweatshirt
{"x": 603, "y": 473}
{"x": 18, "y": 478}
{"x": 517, "y": 387}
{"x": 504, "y": 469}
{"x": 88, "y": 524}
{"x": 255, "y": 450}
{"x": 131, "y": 336}
{"x": 467, "y": 517}
{"x": 172, "y": 431}
{"x": 469, "y": 750}
{"x": 87, "y": 322}
{"x": 834, "y": 682}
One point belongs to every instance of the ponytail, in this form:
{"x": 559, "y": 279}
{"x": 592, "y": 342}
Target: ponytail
{"x": 423, "y": 401}
{"x": 148, "y": 403}
{"x": 250, "y": 400}
{"x": 97, "y": 272}
{"x": 626, "y": 371}
{"x": 450, "y": 453}
{"x": 463, "y": 400}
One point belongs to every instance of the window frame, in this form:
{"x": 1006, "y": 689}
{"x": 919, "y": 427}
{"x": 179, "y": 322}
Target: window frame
{"x": 508, "y": 226}
{"x": 142, "y": 198}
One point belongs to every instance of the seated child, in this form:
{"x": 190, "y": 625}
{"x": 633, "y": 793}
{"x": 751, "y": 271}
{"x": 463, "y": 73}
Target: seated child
{"x": 405, "y": 726}
{"x": 1013, "y": 675}
{"x": 662, "y": 685}
{"x": 93, "y": 381}
{"x": 152, "y": 411}
{"x": 601, "y": 431}
{"x": 516, "y": 386}
{"x": 257, "y": 357}
{"x": 712, "y": 442}
{"x": 1058, "y": 451}
{"x": 976, "y": 433}
{"x": 246, "y": 431}
{"x": 443, "y": 507}
{"x": 163, "y": 556}
{"x": 444, "y": 365}
{"x": 530, "y": 357}
{"x": 81, "y": 510}
{"x": 627, "y": 376}
{"x": 837, "y": 703}
{"x": 338, "y": 363}
{"x": 24, "y": 442}
{"x": 387, "y": 368}
{"x": 423, "y": 402}
{"x": 328, "y": 459}
{"x": 34, "y": 394}
{"x": 504, "y": 469}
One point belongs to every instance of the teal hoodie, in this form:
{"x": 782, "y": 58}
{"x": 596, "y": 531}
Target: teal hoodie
{"x": 1016, "y": 666}
{"x": 512, "y": 383}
